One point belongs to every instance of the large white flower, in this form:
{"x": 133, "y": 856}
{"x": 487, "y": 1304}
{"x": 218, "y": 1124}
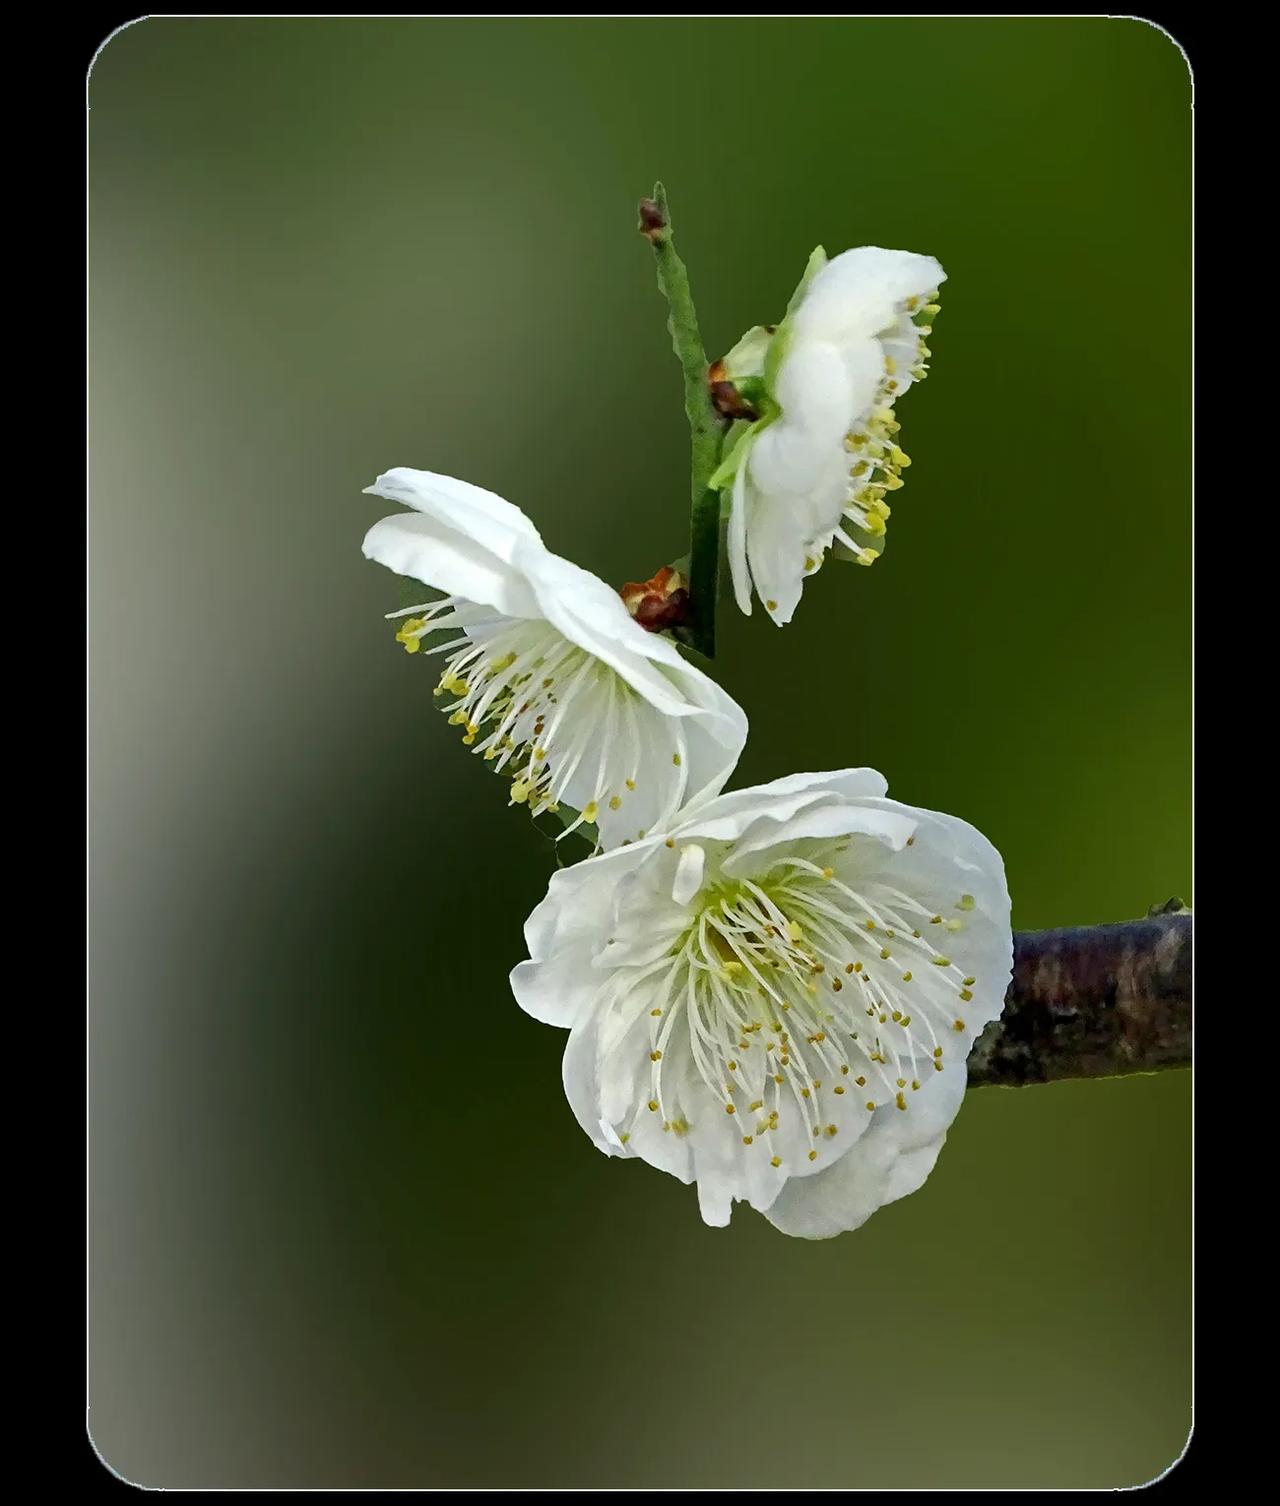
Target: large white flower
{"x": 815, "y": 469}
{"x": 548, "y": 675}
{"x": 776, "y": 999}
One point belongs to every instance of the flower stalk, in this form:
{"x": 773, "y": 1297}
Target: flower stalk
{"x": 706, "y": 424}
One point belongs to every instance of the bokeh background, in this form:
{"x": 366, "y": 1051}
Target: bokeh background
{"x": 321, "y": 1253}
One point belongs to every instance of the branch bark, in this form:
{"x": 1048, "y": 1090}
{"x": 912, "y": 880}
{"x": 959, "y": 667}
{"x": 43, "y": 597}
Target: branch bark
{"x": 1093, "y": 1001}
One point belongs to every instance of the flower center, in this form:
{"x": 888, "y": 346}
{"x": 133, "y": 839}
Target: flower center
{"x": 806, "y": 995}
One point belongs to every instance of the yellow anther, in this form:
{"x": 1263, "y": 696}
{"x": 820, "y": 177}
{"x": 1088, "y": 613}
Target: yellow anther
{"x": 813, "y": 1155}
{"x": 729, "y": 1109}
{"x": 966, "y": 994}
{"x": 772, "y": 605}
{"x": 953, "y": 925}
{"x": 941, "y": 961}
{"x": 670, "y": 842}
{"x": 625, "y": 1138}
{"x": 539, "y": 755}
{"x": 630, "y": 784}
{"x": 860, "y": 1081}
{"x": 890, "y": 365}
{"x": 906, "y": 977}
{"x": 675, "y": 759}
{"x": 849, "y": 967}
{"x": 837, "y": 1089}
{"x": 836, "y": 985}
{"x": 959, "y": 1025}
{"x": 795, "y": 931}
{"x": 653, "y": 1105}
{"x": 519, "y": 792}
{"x": 966, "y": 902}
{"x": 758, "y": 1104}
{"x": 875, "y": 524}
{"x": 615, "y": 802}
{"x": 885, "y": 954}
{"x": 870, "y": 1104}
{"x": 911, "y": 841}
{"x": 937, "y": 1050}
{"x": 655, "y": 1056}
{"x": 591, "y": 811}
{"x": 748, "y": 1139}
{"x": 732, "y": 1066}
{"x": 932, "y": 308}
{"x": 844, "y": 1071}
{"x": 776, "y": 1161}
{"x": 655, "y": 1013}
{"x": 901, "y": 1100}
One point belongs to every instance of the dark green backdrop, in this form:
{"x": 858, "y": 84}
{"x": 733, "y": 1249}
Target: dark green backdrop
{"x": 321, "y": 1253}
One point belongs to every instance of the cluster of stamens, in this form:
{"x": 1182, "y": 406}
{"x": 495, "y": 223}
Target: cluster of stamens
{"x": 803, "y": 995}
{"x": 539, "y": 709}
{"x": 877, "y": 459}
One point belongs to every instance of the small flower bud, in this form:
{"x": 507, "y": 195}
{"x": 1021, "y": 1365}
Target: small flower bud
{"x": 658, "y": 603}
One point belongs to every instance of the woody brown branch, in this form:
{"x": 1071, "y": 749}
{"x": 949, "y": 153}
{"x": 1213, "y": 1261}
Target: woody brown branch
{"x": 1093, "y": 1001}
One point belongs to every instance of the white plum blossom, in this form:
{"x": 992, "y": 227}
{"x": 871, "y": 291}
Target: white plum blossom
{"x": 776, "y": 998}
{"x": 814, "y": 470}
{"x": 549, "y": 677}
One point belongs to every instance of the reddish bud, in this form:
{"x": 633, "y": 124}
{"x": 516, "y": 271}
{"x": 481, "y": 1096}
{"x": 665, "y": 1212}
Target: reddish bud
{"x": 662, "y": 602}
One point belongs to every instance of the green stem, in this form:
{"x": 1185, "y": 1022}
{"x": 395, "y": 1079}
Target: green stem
{"x": 706, "y": 426}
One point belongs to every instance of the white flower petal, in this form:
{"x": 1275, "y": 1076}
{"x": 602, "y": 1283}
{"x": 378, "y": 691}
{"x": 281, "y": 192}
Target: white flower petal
{"x": 793, "y": 454}
{"x": 737, "y": 536}
{"x": 893, "y": 1159}
{"x": 494, "y": 523}
{"x": 856, "y": 293}
{"x": 689, "y": 871}
{"x": 820, "y": 818}
{"x": 731, "y": 815}
{"x": 581, "y": 901}
{"x": 417, "y": 545}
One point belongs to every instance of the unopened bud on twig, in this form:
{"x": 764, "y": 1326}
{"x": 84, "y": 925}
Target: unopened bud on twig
{"x": 659, "y": 603}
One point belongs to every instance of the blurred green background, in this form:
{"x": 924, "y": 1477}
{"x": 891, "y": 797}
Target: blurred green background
{"x": 321, "y": 1254}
